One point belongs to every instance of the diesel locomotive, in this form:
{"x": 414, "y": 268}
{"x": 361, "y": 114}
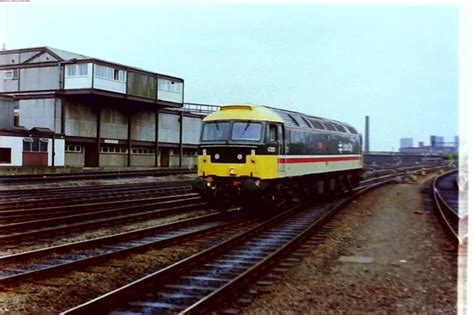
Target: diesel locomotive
{"x": 249, "y": 151}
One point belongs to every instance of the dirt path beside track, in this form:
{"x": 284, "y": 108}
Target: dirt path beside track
{"x": 388, "y": 255}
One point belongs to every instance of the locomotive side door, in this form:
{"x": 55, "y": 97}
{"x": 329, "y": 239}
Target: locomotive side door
{"x": 275, "y": 139}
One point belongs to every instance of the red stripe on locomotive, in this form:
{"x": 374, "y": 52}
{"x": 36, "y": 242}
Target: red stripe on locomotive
{"x": 318, "y": 159}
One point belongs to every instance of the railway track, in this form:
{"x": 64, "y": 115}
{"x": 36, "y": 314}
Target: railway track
{"x": 43, "y": 263}
{"x": 37, "y": 197}
{"x": 198, "y": 283}
{"x": 445, "y": 196}
{"x": 21, "y": 179}
{"x": 54, "y": 212}
{"x": 18, "y": 233}
{"x": 37, "y": 264}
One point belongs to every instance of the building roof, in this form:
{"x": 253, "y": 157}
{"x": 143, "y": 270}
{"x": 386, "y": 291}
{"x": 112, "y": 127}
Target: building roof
{"x": 67, "y": 55}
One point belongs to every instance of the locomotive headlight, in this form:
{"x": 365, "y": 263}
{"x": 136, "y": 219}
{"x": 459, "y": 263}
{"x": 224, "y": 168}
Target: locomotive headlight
{"x": 239, "y": 156}
{"x": 217, "y": 156}
{"x": 204, "y": 151}
{"x": 252, "y": 152}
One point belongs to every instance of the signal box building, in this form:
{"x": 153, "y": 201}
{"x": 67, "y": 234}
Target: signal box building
{"x": 60, "y": 108}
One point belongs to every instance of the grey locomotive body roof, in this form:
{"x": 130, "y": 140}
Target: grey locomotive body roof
{"x": 298, "y": 120}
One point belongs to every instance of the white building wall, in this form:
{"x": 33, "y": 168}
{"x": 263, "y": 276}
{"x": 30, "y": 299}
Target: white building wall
{"x": 79, "y": 82}
{"x": 16, "y": 145}
{"x": 24, "y": 56}
{"x": 44, "y": 57}
{"x": 110, "y": 85}
{"x": 59, "y": 152}
{"x": 10, "y": 59}
{"x": 7, "y": 85}
{"x": 170, "y": 91}
{"x": 170, "y": 96}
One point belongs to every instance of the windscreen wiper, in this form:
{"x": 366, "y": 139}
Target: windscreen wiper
{"x": 246, "y": 127}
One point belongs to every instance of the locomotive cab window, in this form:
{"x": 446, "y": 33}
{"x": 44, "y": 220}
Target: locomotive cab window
{"x": 247, "y": 131}
{"x": 272, "y": 133}
{"x": 218, "y": 131}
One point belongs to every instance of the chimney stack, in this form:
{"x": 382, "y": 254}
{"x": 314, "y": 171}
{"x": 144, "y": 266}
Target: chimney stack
{"x": 4, "y": 46}
{"x": 366, "y": 139}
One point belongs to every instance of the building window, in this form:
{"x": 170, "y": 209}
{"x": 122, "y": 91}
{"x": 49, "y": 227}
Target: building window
{"x": 189, "y": 152}
{"x": 76, "y": 70}
{"x": 169, "y": 86}
{"x": 43, "y": 145}
{"x": 74, "y": 148}
{"x": 109, "y": 73}
{"x": 5, "y": 155}
{"x": 175, "y": 87}
{"x": 143, "y": 151}
{"x": 82, "y": 69}
{"x": 35, "y": 145}
{"x": 11, "y": 74}
{"x": 116, "y": 150}
{"x": 27, "y": 144}
{"x": 71, "y": 70}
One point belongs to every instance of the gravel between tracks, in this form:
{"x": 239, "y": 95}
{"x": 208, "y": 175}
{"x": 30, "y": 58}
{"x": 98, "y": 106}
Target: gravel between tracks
{"x": 105, "y": 231}
{"x": 412, "y": 270}
{"x": 100, "y": 182}
{"x": 53, "y": 295}
{"x": 56, "y": 294}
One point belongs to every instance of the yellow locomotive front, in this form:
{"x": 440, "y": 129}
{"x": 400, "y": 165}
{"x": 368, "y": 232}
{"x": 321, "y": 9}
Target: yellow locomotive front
{"x": 239, "y": 148}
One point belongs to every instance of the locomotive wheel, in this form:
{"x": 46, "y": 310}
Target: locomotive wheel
{"x": 270, "y": 200}
{"x": 355, "y": 180}
{"x": 222, "y": 200}
{"x": 343, "y": 183}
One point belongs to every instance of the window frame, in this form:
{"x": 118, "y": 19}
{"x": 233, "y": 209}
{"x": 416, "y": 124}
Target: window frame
{"x": 11, "y": 74}
{"x": 5, "y": 152}
{"x": 231, "y": 139}
{"x": 110, "y": 73}
{"x": 229, "y": 128}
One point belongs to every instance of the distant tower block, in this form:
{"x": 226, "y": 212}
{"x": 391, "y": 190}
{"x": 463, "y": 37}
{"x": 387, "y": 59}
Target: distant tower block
{"x": 366, "y": 140}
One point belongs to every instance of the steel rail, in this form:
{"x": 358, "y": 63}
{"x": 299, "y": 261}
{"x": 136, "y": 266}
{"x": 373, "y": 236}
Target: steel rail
{"x": 15, "y": 179}
{"x": 17, "y": 238}
{"x": 98, "y": 212}
{"x": 449, "y": 218}
{"x": 91, "y": 198}
{"x": 66, "y": 211}
{"x": 49, "y": 192}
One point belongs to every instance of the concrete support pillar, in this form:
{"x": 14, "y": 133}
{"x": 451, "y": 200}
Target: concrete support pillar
{"x": 367, "y": 133}
{"x": 63, "y": 115}
{"x": 129, "y": 139}
{"x": 99, "y": 118}
{"x": 157, "y": 120}
{"x": 181, "y": 139}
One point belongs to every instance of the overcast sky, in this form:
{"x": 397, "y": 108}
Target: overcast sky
{"x": 397, "y": 64}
